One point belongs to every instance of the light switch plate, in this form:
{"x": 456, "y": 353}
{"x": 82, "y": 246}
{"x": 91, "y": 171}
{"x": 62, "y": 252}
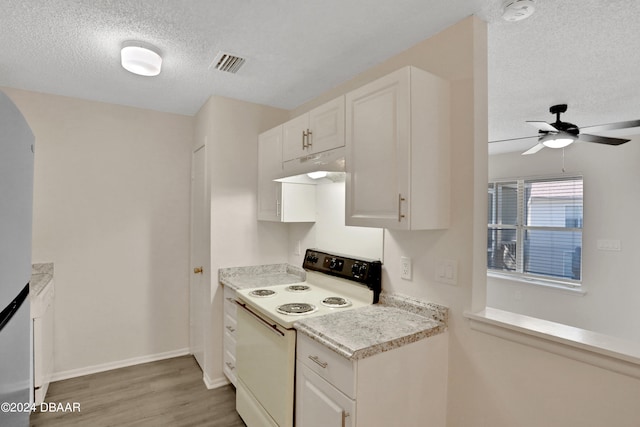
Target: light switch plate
{"x": 447, "y": 271}
{"x": 609, "y": 245}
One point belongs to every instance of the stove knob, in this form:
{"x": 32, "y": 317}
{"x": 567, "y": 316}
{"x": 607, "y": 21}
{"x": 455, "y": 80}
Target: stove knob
{"x": 363, "y": 270}
{"x": 355, "y": 269}
{"x": 333, "y": 263}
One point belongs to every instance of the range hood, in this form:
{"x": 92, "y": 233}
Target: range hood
{"x": 327, "y": 161}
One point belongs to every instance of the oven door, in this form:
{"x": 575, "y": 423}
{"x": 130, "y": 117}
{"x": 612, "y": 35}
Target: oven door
{"x": 265, "y": 358}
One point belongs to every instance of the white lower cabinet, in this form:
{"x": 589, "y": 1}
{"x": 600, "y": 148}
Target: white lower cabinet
{"x": 320, "y": 404}
{"x": 403, "y": 387}
{"x": 230, "y": 326}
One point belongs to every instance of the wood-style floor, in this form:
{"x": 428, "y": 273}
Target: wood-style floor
{"x": 165, "y": 393}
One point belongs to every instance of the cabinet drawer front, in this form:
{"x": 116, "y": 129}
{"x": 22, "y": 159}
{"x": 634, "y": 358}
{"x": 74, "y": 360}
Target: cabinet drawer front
{"x": 334, "y": 368}
{"x": 229, "y": 366}
{"x": 230, "y": 326}
{"x": 230, "y": 305}
{"x": 230, "y": 346}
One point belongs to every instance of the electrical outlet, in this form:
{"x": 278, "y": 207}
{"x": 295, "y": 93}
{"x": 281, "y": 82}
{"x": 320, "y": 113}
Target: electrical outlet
{"x": 405, "y": 268}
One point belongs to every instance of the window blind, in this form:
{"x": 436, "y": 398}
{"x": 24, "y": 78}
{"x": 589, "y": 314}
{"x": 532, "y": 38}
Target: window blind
{"x": 535, "y": 227}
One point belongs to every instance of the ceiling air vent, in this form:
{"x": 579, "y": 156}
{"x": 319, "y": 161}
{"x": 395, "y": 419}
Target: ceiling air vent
{"x": 227, "y": 62}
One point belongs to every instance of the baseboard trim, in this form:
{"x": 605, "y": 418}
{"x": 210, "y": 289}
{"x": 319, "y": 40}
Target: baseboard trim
{"x": 215, "y": 383}
{"x": 73, "y": 373}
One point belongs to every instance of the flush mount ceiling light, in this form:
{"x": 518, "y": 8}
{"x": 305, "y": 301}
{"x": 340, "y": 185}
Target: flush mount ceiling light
{"x": 517, "y": 10}
{"x": 140, "y": 58}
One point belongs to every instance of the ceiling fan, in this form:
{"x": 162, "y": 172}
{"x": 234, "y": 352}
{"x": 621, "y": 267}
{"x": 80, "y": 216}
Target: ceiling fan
{"x": 560, "y": 134}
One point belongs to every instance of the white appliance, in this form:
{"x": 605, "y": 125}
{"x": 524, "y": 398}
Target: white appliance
{"x": 266, "y": 340}
{"x": 16, "y": 194}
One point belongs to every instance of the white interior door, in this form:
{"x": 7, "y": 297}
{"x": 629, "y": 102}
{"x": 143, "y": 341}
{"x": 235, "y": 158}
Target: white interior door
{"x": 197, "y": 285}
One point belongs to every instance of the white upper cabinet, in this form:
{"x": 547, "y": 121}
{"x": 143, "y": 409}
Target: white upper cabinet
{"x": 281, "y": 202}
{"x": 319, "y": 130}
{"x": 269, "y": 165}
{"x": 397, "y": 152}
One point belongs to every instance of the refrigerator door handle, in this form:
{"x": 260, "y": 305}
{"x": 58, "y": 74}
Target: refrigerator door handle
{"x": 13, "y": 307}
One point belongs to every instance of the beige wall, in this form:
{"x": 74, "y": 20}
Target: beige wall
{"x": 492, "y": 382}
{"x": 230, "y": 129}
{"x": 111, "y": 211}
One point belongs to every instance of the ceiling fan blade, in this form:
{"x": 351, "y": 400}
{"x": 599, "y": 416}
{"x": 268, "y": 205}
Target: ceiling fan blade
{"x": 543, "y": 126}
{"x": 601, "y": 139}
{"x": 514, "y": 139}
{"x": 612, "y": 126}
{"x": 533, "y": 149}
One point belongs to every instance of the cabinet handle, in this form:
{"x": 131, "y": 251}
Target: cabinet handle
{"x": 230, "y": 366}
{"x": 306, "y": 135}
{"x": 309, "y": 143}
{"x": 197, "y": 270}
{"x": 400, "y": 200}
{"x": 230, "y": 329}
{"x": 318, "y": 361}
{"x": 277, "y": 208}
{"x": 345, "y": 414}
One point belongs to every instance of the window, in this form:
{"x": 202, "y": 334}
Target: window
{"x": 535, "y": 228}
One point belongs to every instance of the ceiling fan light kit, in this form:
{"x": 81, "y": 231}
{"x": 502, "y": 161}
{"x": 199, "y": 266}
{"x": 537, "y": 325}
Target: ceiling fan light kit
{"x": 561, "y": 134}
{"x": 559, "y": 140}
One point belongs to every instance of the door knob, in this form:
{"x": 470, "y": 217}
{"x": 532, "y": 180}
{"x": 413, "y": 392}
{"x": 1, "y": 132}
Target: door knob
{"x": 197, "y": 270}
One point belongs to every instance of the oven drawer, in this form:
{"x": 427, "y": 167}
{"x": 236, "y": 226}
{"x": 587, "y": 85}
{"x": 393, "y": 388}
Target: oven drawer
{"x": 334, "y": 368}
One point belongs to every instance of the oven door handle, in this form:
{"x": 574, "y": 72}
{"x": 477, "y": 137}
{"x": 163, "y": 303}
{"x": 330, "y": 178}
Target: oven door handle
{"x": 271, "y": 327}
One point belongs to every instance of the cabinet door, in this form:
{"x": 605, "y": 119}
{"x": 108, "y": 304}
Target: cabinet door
{"x": 325, "y": 128}
{"x": 319, "y": 404}
{"x": 269, "y": 165}
{"x": 377, "y": 153}
{"x": 326, "y": 124}
{"x": 294, "y": 141}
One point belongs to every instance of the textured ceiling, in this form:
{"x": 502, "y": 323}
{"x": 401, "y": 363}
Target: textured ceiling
{"x": 584, "y": 53}
{"x": 295, "y": 49}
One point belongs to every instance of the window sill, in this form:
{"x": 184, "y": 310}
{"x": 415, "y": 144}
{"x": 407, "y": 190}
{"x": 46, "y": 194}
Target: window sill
{"x": 586, "y": 346}
{"x": 568, "y": 289}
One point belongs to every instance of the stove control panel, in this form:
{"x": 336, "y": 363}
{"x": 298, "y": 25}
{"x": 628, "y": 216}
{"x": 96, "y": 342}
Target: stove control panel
{"x": 366, "y": 271}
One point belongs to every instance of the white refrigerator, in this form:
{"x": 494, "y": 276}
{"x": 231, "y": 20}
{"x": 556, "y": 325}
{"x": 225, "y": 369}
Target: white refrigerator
{"x": 16, "y": 200}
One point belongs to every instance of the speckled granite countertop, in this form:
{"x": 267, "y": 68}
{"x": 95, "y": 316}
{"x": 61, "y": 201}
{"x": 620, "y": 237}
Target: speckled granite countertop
{"x": 396, "y": 321}
{"x": 259, "y": 276}
{"x": 41, "y": 276}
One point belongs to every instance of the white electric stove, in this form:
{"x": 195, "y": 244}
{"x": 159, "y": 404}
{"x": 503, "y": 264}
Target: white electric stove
{"x": 266, "y": 339}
